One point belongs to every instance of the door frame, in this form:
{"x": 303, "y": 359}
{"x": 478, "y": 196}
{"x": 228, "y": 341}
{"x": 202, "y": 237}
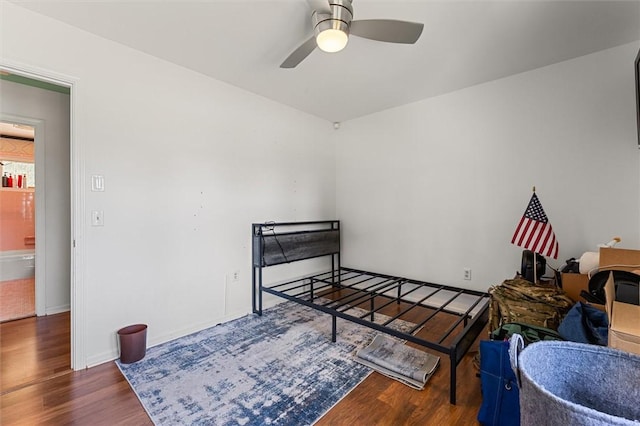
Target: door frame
{"x": 40, "y": 199}
{"x": 77, "y": 208}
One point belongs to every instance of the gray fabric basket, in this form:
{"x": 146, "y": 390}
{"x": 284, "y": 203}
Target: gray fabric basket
{"x": 567, "y": 383}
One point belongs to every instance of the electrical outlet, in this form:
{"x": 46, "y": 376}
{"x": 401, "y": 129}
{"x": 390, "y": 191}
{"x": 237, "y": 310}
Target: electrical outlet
{"x": 97, "y": 218}
{"x": 467, "y": 273}
{"x": 235, "y": 277}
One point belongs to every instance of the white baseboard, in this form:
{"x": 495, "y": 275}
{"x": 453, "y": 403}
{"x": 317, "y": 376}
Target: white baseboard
{"x": 52, "y": 310}
{"x": 114, "y": 353}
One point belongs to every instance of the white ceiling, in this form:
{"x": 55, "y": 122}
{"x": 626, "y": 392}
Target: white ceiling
{"x": 243, "y": 42}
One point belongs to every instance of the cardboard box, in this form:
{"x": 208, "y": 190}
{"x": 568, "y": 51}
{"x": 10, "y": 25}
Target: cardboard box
{"x": 620, "y": 259}
{"x": 573, "y": 284}
{"x": 624, "y": 318}
{"x": 624, "y": 321}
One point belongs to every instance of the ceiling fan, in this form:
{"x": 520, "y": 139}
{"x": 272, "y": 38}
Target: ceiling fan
{"x": 333, "y": 24}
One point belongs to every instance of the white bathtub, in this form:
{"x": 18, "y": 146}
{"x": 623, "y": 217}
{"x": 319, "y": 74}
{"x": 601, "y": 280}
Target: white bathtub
{"x": 17, "y": 265}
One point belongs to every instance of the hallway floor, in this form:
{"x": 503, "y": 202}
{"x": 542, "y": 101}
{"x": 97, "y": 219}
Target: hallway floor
{"x": 17, "y": 299}
{"x": 39, "y": 387}
{"x": 34, "y": 349}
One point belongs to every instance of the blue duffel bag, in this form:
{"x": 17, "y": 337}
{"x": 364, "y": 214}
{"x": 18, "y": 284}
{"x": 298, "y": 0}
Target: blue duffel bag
{"x": 500, "y": 395}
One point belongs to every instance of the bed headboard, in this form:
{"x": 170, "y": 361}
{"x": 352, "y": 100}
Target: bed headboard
{"x": 284, "y": 242}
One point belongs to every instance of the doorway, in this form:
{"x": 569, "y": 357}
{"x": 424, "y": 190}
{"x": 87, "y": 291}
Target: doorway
{"x": 26, "y": 95}
{"x": 18, "y": 221}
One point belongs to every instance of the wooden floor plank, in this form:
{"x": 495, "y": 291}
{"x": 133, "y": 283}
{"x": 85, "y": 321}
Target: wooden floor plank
{"x": 33, "y": 348}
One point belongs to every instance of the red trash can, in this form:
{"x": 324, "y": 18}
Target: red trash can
{"x": 133, "y": 343}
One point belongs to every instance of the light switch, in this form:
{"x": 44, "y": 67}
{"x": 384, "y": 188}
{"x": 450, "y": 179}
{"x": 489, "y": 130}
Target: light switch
{"x": 97, "y": 218}
{"x": 97, "y": 183}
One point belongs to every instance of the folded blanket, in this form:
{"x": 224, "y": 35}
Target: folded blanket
{"x": 394, "y": 359}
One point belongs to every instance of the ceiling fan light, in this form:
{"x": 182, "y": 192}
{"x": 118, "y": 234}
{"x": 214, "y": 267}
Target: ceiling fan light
{"x": 332, "y": 40}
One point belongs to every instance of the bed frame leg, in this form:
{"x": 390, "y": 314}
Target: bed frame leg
{"x": 452, "y": 374}
{"x": 333, "y": 328}
{"x": 373, "y": 306}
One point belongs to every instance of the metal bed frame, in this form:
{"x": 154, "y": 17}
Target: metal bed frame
{"x": 287, "y": 242}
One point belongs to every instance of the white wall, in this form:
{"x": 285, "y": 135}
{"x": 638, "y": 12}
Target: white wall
{"x": 189, "y": 163}
{"x": 426, "y": 189}
{"x": 423, "y": 190}
{"x": 53, "y": 109}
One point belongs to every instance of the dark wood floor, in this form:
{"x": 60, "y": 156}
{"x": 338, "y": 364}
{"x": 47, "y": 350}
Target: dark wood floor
{"x": 39, "y": 388}
{"x": 382, "y": 401}
{"x": 33, "y": 349}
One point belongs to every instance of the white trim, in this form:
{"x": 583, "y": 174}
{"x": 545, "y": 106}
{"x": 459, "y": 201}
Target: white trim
{"x": 40, "y": 250}
{"x": 77, "y": 208}
{"x": 58, "y": 309}
{"x": 114, "y": 354}
{"x": 41, "y": 218}
{"x": 78, "y": 312}
{"x": 36, "y": 73}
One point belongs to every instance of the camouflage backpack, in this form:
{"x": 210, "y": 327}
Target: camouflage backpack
{"x": 521, "y": 301}
{"x": 530, "y": 333}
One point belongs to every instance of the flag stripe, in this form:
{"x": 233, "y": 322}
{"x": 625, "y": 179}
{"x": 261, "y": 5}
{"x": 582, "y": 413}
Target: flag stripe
{"x": 534, "y": 235}
{"x": 522, "y": 219}
{"x": 541, "y": 246}
{"x": 524, "y": 231}
{"x": 547, "y": 234}
{"x": 553, "y": 247}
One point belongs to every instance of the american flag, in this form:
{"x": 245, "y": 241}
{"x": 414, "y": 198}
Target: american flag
{"x": 534, "y": 231}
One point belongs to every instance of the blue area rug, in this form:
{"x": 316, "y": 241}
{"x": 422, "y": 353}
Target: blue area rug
{"x": 278, "y": 369}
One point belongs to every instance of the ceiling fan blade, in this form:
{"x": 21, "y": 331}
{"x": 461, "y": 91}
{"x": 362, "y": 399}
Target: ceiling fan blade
{"x": 387, "y": 30}
{"x": 299, "y": 54}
